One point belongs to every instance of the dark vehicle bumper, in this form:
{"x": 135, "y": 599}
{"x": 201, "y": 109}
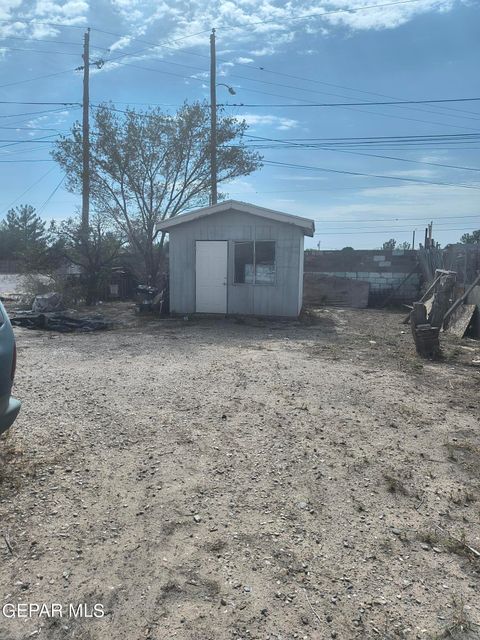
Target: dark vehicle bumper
{"x": 8, "y": 418}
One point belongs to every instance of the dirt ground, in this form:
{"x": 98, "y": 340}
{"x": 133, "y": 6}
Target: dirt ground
{"x": 224, "y": 479}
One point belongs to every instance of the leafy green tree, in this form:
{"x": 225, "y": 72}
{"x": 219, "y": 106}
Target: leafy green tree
{"x": 24, "y": 236}
{"x": 149, "y": 166}
{"x": 471, "y": 238}
{"x": 389, "y": 245}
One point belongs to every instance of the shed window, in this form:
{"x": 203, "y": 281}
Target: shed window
{"x": 254, "y": 262}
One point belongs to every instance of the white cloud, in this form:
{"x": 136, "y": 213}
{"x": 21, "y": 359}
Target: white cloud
{"x": 282, "y": 124}
{"x": 121, "y": 43}
{"x": 386, "y": 17}
{"x": 298, "y": 178}
{"x": 52, "y": 120}
{"x": 264, "y": 51}
{"x": 402, "y": 201}
{"x": 239, "y": 187}
{"x": 7, "y": 7}
{"x": 26, "y": 16}
{"x": 72, "y": 12}
{"x": 246, "y": 22}
{"x": 414, "y": 173}
{"x": 307, "y": 52}
{"x": 259, "y": 27}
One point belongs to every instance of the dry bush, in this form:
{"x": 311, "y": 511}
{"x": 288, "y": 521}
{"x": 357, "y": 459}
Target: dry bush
{"x": 35, "y": 284}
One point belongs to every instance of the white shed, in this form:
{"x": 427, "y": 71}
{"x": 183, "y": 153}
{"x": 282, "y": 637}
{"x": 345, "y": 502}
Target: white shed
{"x": 236, "y": 258}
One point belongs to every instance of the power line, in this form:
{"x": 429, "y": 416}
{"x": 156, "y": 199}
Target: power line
{"x": 28, "y": 38}
{"x": 49, "y": 75}
{"x": 27, "y": 190}
{"x": 316, "y": 15}
{"x": 263, "y": 69}
{"x": 321, "y": 15}
{"x": 163, "y": 45}
{"x": 187, "y": 66}
{"x": 38, "y": 160}
{"x": 57, "y": 53}
{"x": 304, "y": 102}
{"x": 42, "y": 207}
{"x": 405, "y": 137}
{"x": 398, "y": 103}
{"x": 32, "y": 113}
{"x": 29, "y": 119}
{"x": 417, "y": 219}
{"x": 353, "y": 229}
{"x": 321, "y": 82}
{"x": 353, "y": 104}
{"x": 369, "y": 175}
{"x": 12, "y": 142}
{"x": 382, "y": 231}
{"x": 100, "y": 106}
{"x": 22, "y": 150}
{"x": 376, "y": 146}
{"x": 65, "y": 104}
{"x": 158, "y": 45}
{"x": 371, "y": 155}
{"x": 46, "y": 24}
{"x": 260, "y": 22}
{"x": 34, "y": 129}
{"x": 323, "y": 189}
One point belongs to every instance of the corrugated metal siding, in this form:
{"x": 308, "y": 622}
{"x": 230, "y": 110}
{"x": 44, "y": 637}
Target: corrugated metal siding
{"x": 280, "y": 299}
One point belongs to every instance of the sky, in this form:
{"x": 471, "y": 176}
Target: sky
{"x": 363, "y": 173}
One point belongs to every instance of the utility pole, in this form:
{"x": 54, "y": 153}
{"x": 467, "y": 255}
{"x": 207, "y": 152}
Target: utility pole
{"x": 413, "y": 239}
{"x": 213, "y": 119}
{"x": 86, "y": 134}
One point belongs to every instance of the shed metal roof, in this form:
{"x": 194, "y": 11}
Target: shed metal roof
{"x": 307, "y": 225}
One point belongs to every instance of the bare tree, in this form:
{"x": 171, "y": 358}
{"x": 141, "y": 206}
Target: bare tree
{"x": 149, "y": 166}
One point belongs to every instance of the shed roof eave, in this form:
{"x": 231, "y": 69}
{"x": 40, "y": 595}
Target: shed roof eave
{"x": 306, "y": 224}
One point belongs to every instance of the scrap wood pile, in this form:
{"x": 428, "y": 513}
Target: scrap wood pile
{"x": 440, "y": 309}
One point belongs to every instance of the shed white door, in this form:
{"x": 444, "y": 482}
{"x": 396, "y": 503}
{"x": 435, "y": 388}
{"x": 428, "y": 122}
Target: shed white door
{"x": 211, "y": 276}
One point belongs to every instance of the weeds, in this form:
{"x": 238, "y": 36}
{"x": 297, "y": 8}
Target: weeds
{"x": 465, "y": 451}
{"x": 449, "y": 542}
{"x": 462, "y": 495}
{"x": 395, "y": 485}
{"x": 459, "y": 625}
{"x": 10, "y": 456}
{"x": 16, "y": 466}
{"x": 417, "y": 367}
